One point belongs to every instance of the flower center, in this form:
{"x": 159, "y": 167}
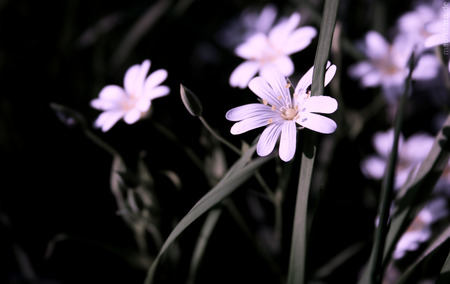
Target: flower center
{"x": 289, "y": 113}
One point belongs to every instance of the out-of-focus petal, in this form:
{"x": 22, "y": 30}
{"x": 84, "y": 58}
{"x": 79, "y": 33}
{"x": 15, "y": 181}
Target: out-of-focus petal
{"x": 288, "y": 141}
{"x": 107, "y": 119}
{"x": 426, "y": 68}
{"x": 320, "y": 104}
{"x": 318, "y": 123}
{"x": 158, "y": 92}
{"x": 371, "y": 79}
{"x": 377, "y": 46}
{"x": 359, "y": 69}
{"x": 155, "y": 79}
{"x": 435, "y": 40}
{"x": 268, "y": 139}
{"x": 416, "y": 148}
{"x": 253, "y": 48}
{"x": 112, "y": 92}
{"x": 135, "y": 77}
{"x": 373, "y": 167}
{"x": 284, "y": 64}
{"x": 242, "y": 75}
{"x": 280, "y": 33}
{"x": 299, "y": 40}
{"x": 132, "y": 116}
{"x": 247, "y": 111}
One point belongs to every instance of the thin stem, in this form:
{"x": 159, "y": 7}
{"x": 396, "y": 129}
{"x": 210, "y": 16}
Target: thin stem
{"x": 218, "y": 137}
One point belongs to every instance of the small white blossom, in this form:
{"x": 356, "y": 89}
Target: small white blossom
{"x": 280, "y": 111}
{"x": 263, "y": 51}
{"x": 387, "y": 65}
{"x": 134, "y": 100}
{"x": 438, "y": 30}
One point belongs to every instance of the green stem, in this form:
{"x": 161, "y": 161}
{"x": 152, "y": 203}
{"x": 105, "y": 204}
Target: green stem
{"x": 218, "y": 137}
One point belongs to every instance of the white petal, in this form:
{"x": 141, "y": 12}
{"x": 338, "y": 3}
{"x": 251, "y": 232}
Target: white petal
{"x": 371, "y": 79}
{"x": 427, "y": 67}
{"x": 107, "y": 119}
{"x": 278, "y": 83}
{"x": 373, "y": 167}
{"x": 132, "y": 116}
{"x": 320, "y": 104}
{"x": 157, "y": 92}
{"x": 288, "y": 141}
{"x": 280, "y": 33}
{"x": 284, "y": 64}
{"x": 112, "y": 92}
{"x": 135, "y": 77}
{"x": 317, "y": 123}
{"x": 435, "y": 40}
{"x": 244, "y": 73}
{"x": 253, "y": 48}
{"x": 376, "y": 45}
{"x": 299, "y": 40}
{"x": 307, "y": 79}
{"x": 262, "y": 89}
{"x": 247, "y": 111}
{"x": 383, "y": 141}
{"x": 359, "y": 69}
{"x": 143, "y": 105}
{"x": 416, "y": 148}
{"x": 268, "y": 139}
{"x": 155, "y": 79}
{"x": 250, "y": 123}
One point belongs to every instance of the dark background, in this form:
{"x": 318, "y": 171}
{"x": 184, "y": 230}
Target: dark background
{"x": 55, "y": 181}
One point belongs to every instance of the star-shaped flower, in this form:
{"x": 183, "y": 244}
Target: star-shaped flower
{"x": 281, "y": 112}
{"x": 262, "y": 51}
{"x": 134, "y": 100}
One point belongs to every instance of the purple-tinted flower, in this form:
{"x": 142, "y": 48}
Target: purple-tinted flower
{"x": 134, "y": 100}
{"x": 281, "y": 112}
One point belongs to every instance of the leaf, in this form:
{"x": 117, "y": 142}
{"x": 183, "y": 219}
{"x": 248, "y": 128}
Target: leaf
{"x": 240, "y": 172}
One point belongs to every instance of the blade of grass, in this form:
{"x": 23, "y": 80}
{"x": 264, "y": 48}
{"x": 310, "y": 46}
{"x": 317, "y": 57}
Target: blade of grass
{"x": 374, "y": 271}
{"x": 296, "y": 273}
{"x": 236, "y": 176}
{"x": 444, "y": 276}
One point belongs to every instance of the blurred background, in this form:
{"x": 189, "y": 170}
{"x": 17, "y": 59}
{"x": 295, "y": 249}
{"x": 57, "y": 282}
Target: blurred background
{"x": 58, "y": 218}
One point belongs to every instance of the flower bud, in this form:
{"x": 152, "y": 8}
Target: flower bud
{"x": 191, "y": 101}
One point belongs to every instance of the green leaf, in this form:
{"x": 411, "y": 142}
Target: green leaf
{"x": 444, "y": 276}
{"x": 296, "y": 273}
{"x": 240, "y": 172}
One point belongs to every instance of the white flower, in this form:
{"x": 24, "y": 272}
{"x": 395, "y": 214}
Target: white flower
{"x": 420, "y": 229}
{"x": 411, "y": 152}
{"x": 134, "y": 100}
{"x": 387, "y": 65}
{"x": 280, "y": 112}
{"x": 272, "y": 50}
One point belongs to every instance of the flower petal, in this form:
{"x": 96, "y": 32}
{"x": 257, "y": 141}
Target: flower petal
{"x": 132, "y": 116}
{"x": 135, "y": 77}
{"x": 253, "y": 48}
{"x": 280, "y": 33}
{"x": 288, "y": 141}
{"x": 320, "y": 104}
{"x": 376, "y": 46}
{"x": 373, "y": 167}
{"x": 154, "y": 79}
{"x": 268, "y": 139}
{"x": 242, "y": 75}
{"x": 284, "y": 64}
{"x": 299, "y": 40}
{"x": 247, "y": 111}
{"x": 251, "y": 123}
{"x": 318, "y": 123}
{"x": 359, "y": 69}
{"x": 107, "y": 119}
{"x": 306, "y": 79}
{"x": 371, "y": 79}
{"x": 159, "y": 91}
{"x": 279, "y": 85}
{"x": 262, "y": 89}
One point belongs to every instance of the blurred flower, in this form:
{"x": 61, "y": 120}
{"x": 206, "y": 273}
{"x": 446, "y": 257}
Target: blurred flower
{"x": 386, "y": 65}
{"x": 250, "y": 22}
{"x": 411, "y": 152}
{"x": 134, "y": 100}
{"x": 280, "y": 112}
{"x": 413, "y": 24}
{"x": 420, "y": 229}
{"x": 272, "y": 50}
